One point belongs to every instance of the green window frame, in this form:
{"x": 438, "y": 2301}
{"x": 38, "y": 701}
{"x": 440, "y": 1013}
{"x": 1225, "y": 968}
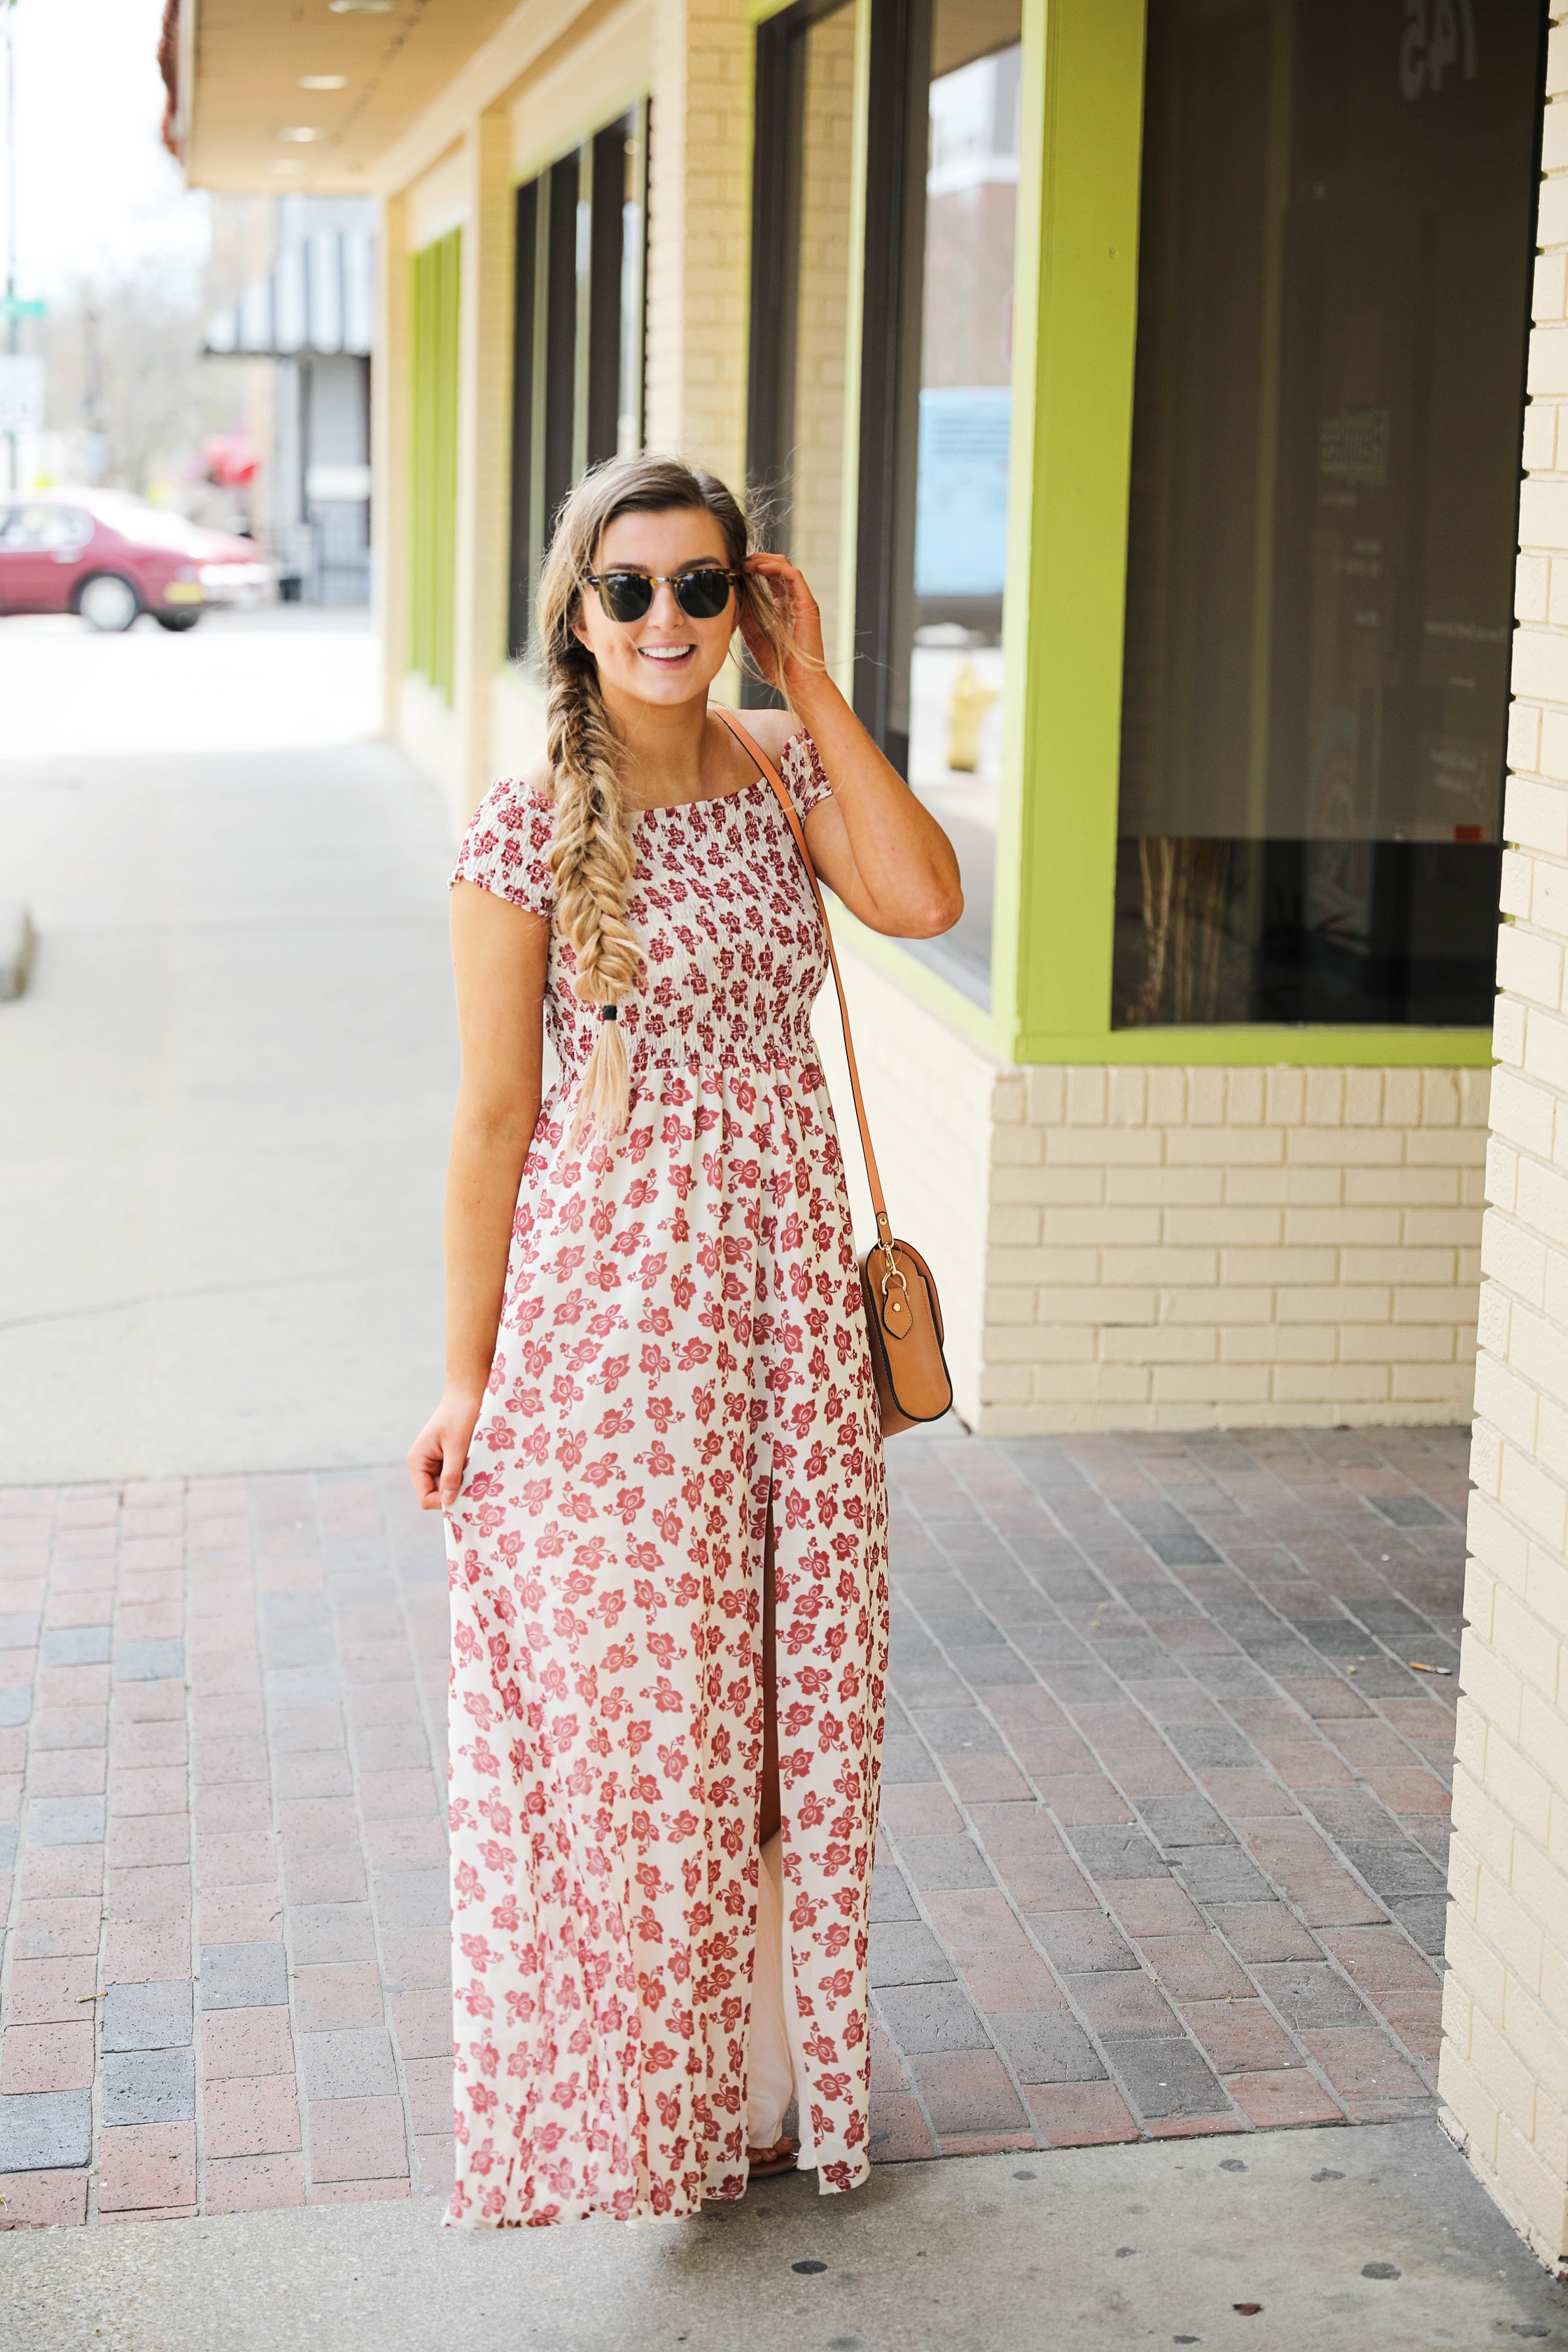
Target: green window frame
{"x": 437, "y": 287}
{"x": 1074, "y": 329}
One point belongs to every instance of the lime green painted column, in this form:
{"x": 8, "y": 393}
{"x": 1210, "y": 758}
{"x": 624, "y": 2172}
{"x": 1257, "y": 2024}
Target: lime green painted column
{"x": 1077, "y": 322}
{"x": 438, "y": 280}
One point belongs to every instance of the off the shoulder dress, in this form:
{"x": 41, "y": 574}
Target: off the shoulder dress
{"x": 681, "y": 1340}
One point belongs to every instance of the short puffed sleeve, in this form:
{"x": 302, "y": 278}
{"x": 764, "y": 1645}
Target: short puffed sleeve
{"x": 803, "y": 772}
{"x": 505, "y": 849}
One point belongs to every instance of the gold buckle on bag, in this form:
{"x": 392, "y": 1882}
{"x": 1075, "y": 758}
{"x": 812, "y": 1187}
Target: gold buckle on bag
{"x": 896, "y": 1311}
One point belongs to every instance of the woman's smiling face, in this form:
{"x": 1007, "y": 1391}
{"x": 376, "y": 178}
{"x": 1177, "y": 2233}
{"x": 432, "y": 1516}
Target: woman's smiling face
{"x": 666, "y": 657}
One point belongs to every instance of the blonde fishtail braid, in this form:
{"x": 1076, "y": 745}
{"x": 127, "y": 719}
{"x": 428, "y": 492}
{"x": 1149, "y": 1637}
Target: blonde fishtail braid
{"x": 591, "y": 858}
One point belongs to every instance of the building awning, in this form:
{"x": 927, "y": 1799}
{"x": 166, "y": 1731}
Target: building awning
{"x": 322, "y": 94}
{"x": 318, "y": 301}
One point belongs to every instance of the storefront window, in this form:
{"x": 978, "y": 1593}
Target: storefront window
{"x": 801, "y": 322}
{"x": 964, "y": 435}
{"x": 923, "y": 545}
{"x": 577, "y": 358}
{"x": 1333, "y": 298}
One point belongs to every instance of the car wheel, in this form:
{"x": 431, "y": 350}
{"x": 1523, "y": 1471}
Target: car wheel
{"x": 108, "y": 602}
{"x": 177, "y": 621}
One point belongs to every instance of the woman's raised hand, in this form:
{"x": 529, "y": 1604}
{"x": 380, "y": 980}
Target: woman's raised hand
{"x": 797, "y": 609}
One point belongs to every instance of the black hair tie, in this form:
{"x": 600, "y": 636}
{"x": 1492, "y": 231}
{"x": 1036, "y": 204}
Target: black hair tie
{"x": 609, "y": 1011}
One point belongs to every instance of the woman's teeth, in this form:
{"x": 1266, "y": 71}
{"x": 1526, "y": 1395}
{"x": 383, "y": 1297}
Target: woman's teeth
{"x": 665, "y": 653}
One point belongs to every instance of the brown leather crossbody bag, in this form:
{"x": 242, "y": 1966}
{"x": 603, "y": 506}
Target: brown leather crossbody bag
{"x": 903, "y": 1313}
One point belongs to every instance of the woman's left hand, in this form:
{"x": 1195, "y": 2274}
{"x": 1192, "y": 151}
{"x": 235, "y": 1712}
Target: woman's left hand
{"x": 797, "y": 609}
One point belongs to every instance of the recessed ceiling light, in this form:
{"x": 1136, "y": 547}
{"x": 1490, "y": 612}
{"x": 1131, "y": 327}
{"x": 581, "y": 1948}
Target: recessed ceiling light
{"x": 360, "y": 7}
{"x": 323, "y": 81}
{"x": 299, "y": 133}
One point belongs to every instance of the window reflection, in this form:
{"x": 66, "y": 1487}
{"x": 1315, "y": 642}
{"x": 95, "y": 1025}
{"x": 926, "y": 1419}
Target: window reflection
{"x": 962, "y": 466}
{"x": 1333, "y": 297}
{"x": 879, "y": 418}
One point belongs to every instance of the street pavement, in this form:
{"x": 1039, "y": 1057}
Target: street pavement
{"x": 1159, "y": 1891}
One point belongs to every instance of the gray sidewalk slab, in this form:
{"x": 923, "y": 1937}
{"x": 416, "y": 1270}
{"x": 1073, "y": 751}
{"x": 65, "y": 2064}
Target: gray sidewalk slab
{"x": 227, "y": 1091}
{"x": 1317, "y": 2240}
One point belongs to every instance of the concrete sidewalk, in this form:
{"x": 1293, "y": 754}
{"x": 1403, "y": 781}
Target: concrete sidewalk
{"x": 1318, "y": 2240}
{"x": 228, "y": 1088}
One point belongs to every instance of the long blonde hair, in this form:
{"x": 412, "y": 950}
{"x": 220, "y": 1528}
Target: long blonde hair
{"x": 592, "y": 855}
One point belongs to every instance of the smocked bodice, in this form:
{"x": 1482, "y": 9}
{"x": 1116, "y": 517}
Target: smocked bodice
{"x": 722, "y": 907}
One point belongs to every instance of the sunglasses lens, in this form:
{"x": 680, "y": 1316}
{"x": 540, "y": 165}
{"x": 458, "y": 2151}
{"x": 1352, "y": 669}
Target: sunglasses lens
{"x": 626, "y": 595}
{"x": 704, "y": 594}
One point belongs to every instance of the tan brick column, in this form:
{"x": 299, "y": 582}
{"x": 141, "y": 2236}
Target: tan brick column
{"x": 699, "y": 163}
{"x": 1505, "y": 2059}
{"x": 484, "y": 447}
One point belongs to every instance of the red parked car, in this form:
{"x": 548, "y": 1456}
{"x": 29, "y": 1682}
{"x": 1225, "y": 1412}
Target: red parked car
{"x": 111, "y": 557}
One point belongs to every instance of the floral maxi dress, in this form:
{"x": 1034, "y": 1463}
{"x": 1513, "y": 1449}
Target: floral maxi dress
{"x": 681, "y": 1350}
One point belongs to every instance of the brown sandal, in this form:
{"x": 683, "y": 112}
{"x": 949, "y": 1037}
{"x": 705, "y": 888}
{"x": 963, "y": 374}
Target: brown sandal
{"x": 762, "y": 2163}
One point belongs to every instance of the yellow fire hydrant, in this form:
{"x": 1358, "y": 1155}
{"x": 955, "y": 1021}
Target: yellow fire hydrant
{"x": 972, "y": 699}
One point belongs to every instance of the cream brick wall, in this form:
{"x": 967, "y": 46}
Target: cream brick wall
{"x": 828, "y": 283}
{"x": 1504, "y": 2070}
{"x": 484, "y": 447}
{"x": 1179, "y": 1248}
{"x": 699, "y": 201}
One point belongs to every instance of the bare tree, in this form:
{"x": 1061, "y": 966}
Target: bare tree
{"x": 128, "y": 387}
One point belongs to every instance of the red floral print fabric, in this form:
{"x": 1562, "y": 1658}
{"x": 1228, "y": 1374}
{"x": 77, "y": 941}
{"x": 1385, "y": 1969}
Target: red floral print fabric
{"x": 682, "y": 1336}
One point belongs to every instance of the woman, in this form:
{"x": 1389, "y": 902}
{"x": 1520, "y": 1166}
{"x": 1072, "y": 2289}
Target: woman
{"x": 659, "y": 1426}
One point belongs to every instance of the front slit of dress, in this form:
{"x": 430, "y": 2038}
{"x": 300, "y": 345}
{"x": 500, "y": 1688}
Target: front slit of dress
{"x": 774, "y": 2071}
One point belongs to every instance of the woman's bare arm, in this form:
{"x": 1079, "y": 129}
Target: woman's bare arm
{"x": 499, "y": 956}
{"x": 873, "y": 844}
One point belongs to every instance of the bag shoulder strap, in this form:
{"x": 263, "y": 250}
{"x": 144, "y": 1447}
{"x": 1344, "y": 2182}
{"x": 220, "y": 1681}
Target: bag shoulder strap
{"x": 874, "y": 1182}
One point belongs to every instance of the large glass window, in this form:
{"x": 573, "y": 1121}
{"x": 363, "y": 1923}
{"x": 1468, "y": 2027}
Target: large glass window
{"x": 1333, "y": 298}
{"x": 911, "y": 575}
{"x": 801, "y": 322}
{"x": 577, "y": 358}
{"x": 964, "y": 434}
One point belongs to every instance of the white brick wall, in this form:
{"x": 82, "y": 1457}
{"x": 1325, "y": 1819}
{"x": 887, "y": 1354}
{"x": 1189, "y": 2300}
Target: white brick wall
{"x": 699, "y": 197}
{"x": 827, "y": 284}
{"x": 1504, "y": 2070}
{"x": 1180, "y": 1247}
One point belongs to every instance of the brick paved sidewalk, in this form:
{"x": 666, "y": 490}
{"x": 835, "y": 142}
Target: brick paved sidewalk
{"x": 1168, "y": 1806}
{"x": 252, "y": 1673}
{"x": 1163, "y": 1822}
